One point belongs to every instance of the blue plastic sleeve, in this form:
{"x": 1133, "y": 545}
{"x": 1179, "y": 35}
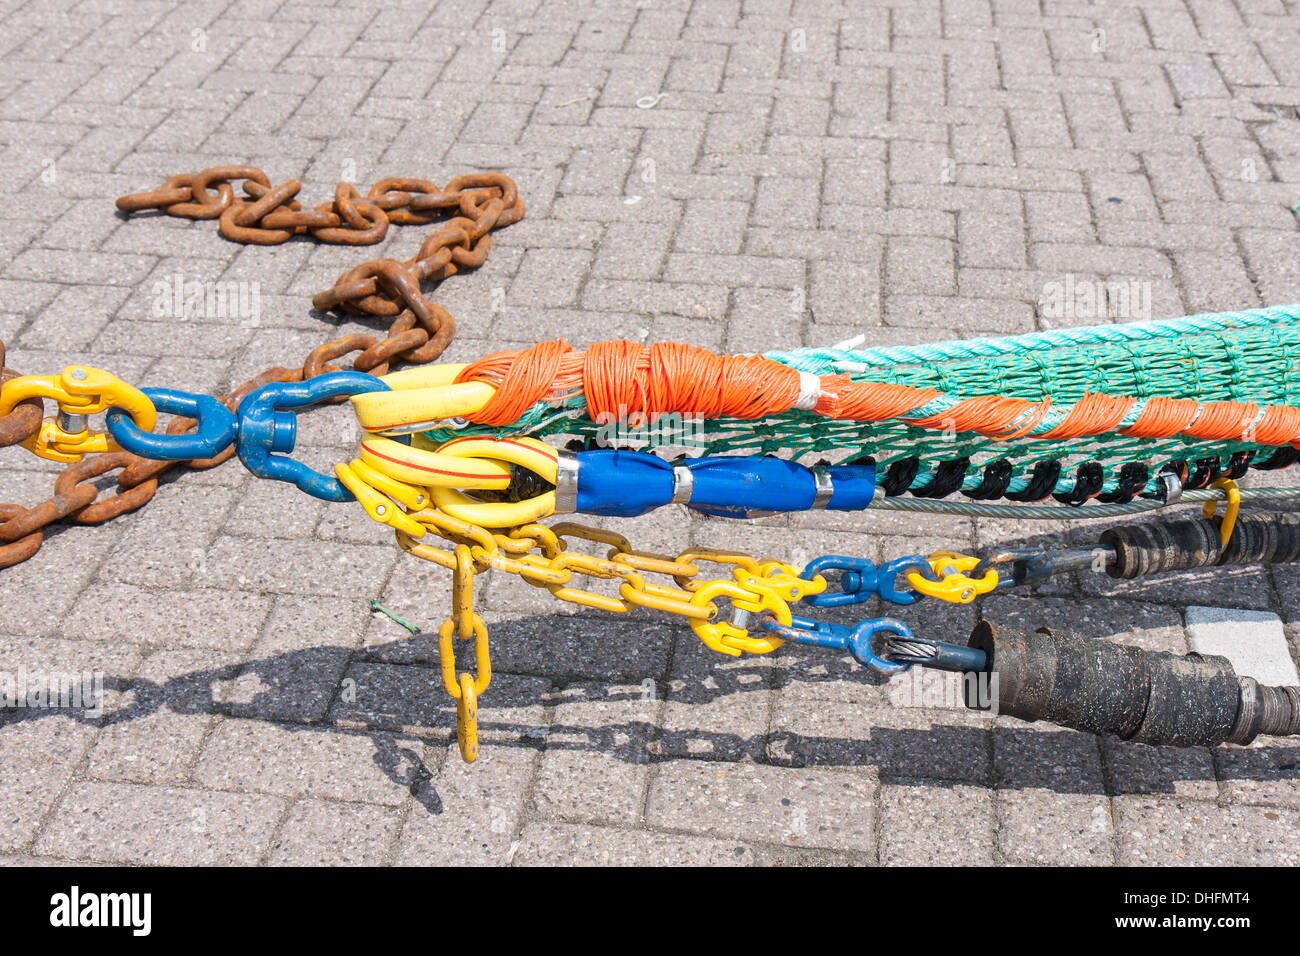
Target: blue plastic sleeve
{"x": 853, "y": 487}
{"x": 737, "y": 487}
{"x": 629, "y": 483}
{"x": 622, "y": 484}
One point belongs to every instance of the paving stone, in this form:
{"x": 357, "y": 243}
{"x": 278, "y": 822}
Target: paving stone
{"x": 1252, "y": 640}
{"x": 293, "y": 760}
{"x": 811, "y": 807}
{"x": 320, "y": 833}
{"x": 468, "y": 814}
{"x": 1157, "y": 832}
{"x": 597, "y": 754}
{"x": 1062, "y": 829}
{"x": 1177, "y": 771}
{"x": 167, "y": 826}
{"x": 913, "y": 742}
{"x": 41, "y": 755}
{"x": 154, "y": 733}
{"x": 935, "y": 822}
{"x": 543, "y": 843}
{"x": 1266, "y": 772}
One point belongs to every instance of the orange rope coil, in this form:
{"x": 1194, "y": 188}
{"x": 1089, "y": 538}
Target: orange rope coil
{"x": 629, "y": 379}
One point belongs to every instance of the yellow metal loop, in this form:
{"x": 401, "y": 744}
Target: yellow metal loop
{"x": 467, "y": 719}
{"x": 78, "y": 390}
{"x": 420, "y": 398}
{"x": 364, "y": 482}
{"x": 447, "y": 655}
{"x": 1229, "y": 522}
{"x": 726, "y": 637}
{"x": 953, "y": 585}
{"x": 782, "y": 579}
{"x": 537, "y": 456}
{"x": 432, "y": 469}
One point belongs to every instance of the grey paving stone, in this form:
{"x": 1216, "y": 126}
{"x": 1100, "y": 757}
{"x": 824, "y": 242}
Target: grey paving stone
{"x": 41, "y": 755}
{"x": 1041, "y": 827}
{"x": 1177, "y": 771}
{"x": 468, "y": 814}
{"x": 320, "y": 833}
{"x": 292, "y": 760}
{"x": 809, "y": 808}
{"x": 1252, "y": 640}
{"x": 935, "y": 823}
{"x": 215, "y": 618}
{"x": 155, "y": 731}
{"x": 597, "y": 754}
{"x": 1156, "y": 832}
{"x": 541, "y": 844}
{"x": 170, "y": 826}
{"x": 1266, "y": 772}
{"x": 912, "y": 742}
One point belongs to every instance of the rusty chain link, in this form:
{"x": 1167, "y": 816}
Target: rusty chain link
{"x": 419, "y": 331}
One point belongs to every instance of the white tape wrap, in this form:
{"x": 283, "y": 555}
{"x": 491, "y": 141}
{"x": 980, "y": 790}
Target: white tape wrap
{"x": 810, "y": 390}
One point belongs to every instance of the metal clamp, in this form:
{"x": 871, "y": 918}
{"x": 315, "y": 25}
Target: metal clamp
{"x": 825, "y": 487}
{"x": 566, "y": 482}
{"x": 683, "y": 485}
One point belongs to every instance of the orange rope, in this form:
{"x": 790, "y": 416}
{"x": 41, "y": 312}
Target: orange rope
{"x": 1092, "y": 415}
{"x": 1163, "y": 417}
{"x": 623, "y": 377}
{"x": 626, "y": 378}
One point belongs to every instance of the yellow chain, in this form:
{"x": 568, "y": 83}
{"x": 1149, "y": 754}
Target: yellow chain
{"x": 464, "y": 688}
{"x": 540, "y": 556}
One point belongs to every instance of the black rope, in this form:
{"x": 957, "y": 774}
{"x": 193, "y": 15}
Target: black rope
{"x": 997, "y": 475}
{"x": 900, "y": 475}
{"x": 1133, "y": 478}
{"x": 947, "y": 479}
{"x": 1041, "y": 482}
{"x": 1089, "y": 478}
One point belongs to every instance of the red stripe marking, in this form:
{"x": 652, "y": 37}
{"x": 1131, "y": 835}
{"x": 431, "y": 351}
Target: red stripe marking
{"x": 435, "y": 471}
{"x": 503, "y": 441}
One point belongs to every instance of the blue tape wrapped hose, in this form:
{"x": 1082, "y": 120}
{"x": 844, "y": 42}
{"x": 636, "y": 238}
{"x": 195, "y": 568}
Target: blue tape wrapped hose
{"x": 628, "y": 483}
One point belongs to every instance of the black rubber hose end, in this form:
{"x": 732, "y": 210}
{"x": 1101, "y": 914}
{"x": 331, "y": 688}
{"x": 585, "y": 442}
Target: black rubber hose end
{"x": 1151, "y": 697}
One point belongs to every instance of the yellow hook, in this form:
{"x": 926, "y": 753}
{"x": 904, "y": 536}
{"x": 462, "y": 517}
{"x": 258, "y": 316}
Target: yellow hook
{"x": 953, "y": 584}
{"x": 1229, "y": 522}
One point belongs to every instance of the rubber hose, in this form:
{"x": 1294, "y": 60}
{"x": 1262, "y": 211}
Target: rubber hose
{"x": 1151, "y": 697}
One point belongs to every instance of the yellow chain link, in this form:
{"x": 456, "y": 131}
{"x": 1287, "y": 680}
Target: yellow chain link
{"x": 464, "y": 688}
{"x": 80, "y": 391}
{"x": 541, "y": 557}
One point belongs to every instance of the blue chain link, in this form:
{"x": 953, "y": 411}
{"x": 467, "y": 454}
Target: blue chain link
{"x": 268, "y": 427}
{"x": 856, "y": 640}
{"x": 215, "y": 430}
{"x": 860, "y": 579}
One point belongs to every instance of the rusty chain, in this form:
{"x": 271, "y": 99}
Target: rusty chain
{"x": 265, "y": 215}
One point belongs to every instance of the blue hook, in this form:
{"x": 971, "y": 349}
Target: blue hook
{"x": 216, "y": 427}
{"x": 267, "y": 429}
{"x": 888, "y": 578}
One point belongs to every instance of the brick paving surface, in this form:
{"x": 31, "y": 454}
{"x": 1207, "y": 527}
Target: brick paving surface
{"x": 740, "y": 174}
